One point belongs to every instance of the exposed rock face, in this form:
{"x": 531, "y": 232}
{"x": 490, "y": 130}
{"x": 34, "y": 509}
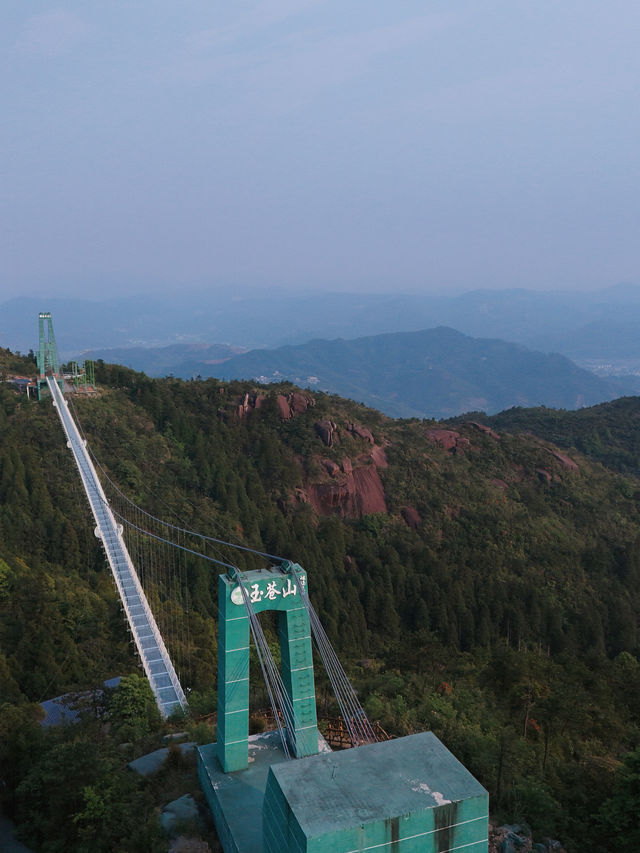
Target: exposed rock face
{"x": 411, "y": 516}
{"x": 326, "y": 430}
{"x": 283, "y": 405}
{"x": 351, "y": 493}
{"x": 446, "y": 438}
{"x": 361, "y": 432}
{"x": 379, "y": 457}
{"x": 248, "y": 402}
{"x": 300, "y": 403}
{"x": 565, "y": 460}
{"x": 330, "y": 466}
{"x": 543, "y": 475}
{"x": 293, "y": 404}
{"x": 484, "y": 428}
{"x": 449, "y": 439}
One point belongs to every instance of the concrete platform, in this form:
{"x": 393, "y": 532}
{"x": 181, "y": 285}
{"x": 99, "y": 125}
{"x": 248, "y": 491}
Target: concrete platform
{"x": 236, "y": 798}
{"x": 409, "y": 795}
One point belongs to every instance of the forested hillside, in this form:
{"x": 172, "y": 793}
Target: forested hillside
{"x": 479, "y": 583}
{"x": 608, "y": 433}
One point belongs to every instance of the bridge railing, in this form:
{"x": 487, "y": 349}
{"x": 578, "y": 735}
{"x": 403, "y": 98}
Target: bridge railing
{"x": 123, "y": 570}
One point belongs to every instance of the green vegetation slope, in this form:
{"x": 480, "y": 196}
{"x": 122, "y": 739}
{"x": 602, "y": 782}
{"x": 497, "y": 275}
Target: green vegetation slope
{"x": 483, "y": 585}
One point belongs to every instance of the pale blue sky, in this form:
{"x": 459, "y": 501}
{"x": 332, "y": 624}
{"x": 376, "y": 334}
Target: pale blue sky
{"x": 343, "y": 145}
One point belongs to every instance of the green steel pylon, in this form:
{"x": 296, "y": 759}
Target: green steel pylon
{"x": 47, "y": 358}
{"x": 89, "y": 374}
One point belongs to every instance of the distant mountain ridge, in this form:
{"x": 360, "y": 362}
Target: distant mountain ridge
{"x": 434, "y": 373}
{"x": 550, "y": 321}
{"x": 176, "y": 359}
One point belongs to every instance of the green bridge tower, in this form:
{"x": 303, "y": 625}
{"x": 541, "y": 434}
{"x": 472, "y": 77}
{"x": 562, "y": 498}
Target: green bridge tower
{"x": 47, "y": 356}
{"x": 277, "y": 589}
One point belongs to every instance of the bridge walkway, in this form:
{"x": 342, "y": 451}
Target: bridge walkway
{"x": 147, "y": 637}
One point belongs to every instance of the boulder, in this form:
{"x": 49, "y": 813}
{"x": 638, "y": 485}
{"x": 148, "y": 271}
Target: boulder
{"x": 150, "y": 763}
{"x": 361, "y": 432}
{"x": 326, "y": 430}
{"x": 249, "y": 401}
{"x": 284, "y": 407}
{"x": 411, "y": 517}
{"x": 182, "y": 810}
{"x": 446, "y": 438}
{"x": 330, "y": 466}
{"x": 449, "y": 440}
{"x": 299, "y": 403}
{"x": 509, "y": 839}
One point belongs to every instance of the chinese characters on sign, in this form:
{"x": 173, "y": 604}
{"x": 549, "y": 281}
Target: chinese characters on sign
{"x": 273, "y": 590}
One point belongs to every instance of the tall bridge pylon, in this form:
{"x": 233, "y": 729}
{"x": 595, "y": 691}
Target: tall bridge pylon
{"x": 47, "y": 356}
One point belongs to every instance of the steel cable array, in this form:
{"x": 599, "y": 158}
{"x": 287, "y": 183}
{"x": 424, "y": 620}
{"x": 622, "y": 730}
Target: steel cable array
{"x": 354, "y": 716}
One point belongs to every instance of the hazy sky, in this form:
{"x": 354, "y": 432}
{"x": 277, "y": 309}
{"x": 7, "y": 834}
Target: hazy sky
{"x": 347, "y": 144}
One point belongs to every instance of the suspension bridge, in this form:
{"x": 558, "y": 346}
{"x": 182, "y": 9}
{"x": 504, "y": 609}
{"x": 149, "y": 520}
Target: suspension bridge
{"x": 386, "y": 797}
{"x": 121, "y": 526}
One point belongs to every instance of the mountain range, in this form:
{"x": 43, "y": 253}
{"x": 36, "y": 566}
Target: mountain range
{"x": 434, "y": 373}
{"x": 549, "y": 321}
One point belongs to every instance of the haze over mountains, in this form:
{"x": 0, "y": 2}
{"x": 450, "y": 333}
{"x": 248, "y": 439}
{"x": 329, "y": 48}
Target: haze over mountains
{"x": 381, "y": 349}
{"x": 434, "y": 373}
{"x": 549, "y": 321}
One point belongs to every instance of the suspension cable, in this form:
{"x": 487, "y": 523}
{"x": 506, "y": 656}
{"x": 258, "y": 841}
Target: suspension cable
{"x": 169, "y": 542}
{"x": 354, "y": 716}
{"x": 173, "y": 526}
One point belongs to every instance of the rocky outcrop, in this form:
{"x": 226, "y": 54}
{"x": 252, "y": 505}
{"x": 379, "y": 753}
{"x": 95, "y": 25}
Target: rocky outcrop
{"x": 483, "y": 428}
{"x": 514, "y": 838}
{"x": 293, "y": 404}
{"x": 249, "y": 402}
{"x": 284, "y": 407}
{"x": 330, "y": 466}
{"x": 565, "y": 461}
{"x": 411, "y": 517}
{"x": 379, "y": 457}
{"x": 352, "y": 491}
{"x": 449, "y": 440}
{"x": 544, "y": 476}
{"x": 361, "y": 432}
{"x": 326, "y": 430}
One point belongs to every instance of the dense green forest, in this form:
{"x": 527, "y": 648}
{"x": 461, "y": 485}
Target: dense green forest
{"x": 484, "y": 585}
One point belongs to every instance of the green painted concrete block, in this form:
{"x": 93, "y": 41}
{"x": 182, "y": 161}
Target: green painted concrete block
{"x": 403, "y": 796}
